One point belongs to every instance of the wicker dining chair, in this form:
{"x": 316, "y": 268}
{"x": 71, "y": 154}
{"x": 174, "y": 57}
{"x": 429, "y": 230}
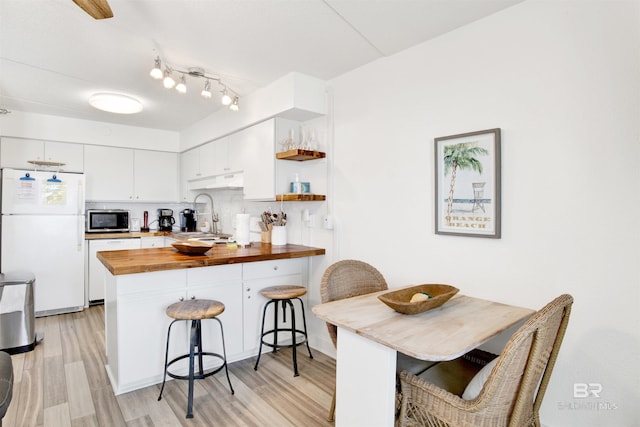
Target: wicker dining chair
{"x": 514, "y": 388}
{"x": 350, "y": 278}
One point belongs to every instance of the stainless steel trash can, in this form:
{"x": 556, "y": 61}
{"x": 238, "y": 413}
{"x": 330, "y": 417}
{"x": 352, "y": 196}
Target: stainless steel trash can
{"x": 17, "y": 317}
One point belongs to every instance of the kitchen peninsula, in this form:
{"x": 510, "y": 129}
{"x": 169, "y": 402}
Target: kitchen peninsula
{"x": 140, "y": 284}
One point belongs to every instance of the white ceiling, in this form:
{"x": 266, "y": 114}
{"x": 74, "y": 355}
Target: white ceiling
{"x": 53, "y": 55}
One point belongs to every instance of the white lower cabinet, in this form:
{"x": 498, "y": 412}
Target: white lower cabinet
{"x": 168, "y": 241}
{"x": 141, "y": 348}
{"x": 220, "y": 283}
{"x": 136, "y": 322}
{"x": 155, "y": 242}
{"x": 95, "y": 279}
{"x": 136, "y": 326}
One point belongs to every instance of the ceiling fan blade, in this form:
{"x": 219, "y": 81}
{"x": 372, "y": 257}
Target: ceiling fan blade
{"x": 98, "y": 9}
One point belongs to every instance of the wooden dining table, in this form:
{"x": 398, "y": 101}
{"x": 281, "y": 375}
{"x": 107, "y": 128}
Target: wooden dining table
{"x": 370, "y": 334}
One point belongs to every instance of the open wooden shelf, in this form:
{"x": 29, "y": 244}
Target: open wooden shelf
{"x": 300, "y": 155}
{"x": 300, "y": 197}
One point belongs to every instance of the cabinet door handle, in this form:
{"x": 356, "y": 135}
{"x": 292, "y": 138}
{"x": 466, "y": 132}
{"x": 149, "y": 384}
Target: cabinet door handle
{"x": 193, "y": 297}
{"x": 181, "y": 299}
{"x": 248, "y": 289}
{"x": 275, "y": 268}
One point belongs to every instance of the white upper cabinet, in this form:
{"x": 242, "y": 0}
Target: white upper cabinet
{"x": 190, "y": 164}
{"x": 255, "y": 146}
{"x": 155, "y": 176}
{"x": 189, "y": 168}
{"x": 235, "y": 154}
{"x": 227, "y": 157}
{"x": 198, "y": 162}
{"x": 123, "y": 174}
{"x": 109, "y": 173}
{"x": 250, "y": 154}
{"x": 48, "y": 155}
{"x": 207, "y": 156}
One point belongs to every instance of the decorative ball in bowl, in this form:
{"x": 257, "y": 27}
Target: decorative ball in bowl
{"x": 192, "y": 247}
{"x": 419, "y": 298}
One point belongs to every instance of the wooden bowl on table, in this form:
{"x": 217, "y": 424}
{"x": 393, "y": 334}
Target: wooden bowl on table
{"x": 400, "y": 300}
{"x": 192, "y": 247}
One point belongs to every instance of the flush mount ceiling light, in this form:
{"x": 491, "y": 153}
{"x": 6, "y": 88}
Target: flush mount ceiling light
{"x": 115, "y": 103}
{"x": 229, "y": 97}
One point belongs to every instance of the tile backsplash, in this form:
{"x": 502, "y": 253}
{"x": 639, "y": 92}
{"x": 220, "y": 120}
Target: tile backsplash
{"x": 228, "y": 203}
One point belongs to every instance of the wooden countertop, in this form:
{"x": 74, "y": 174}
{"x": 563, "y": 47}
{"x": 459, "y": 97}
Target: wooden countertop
{"x": 443, "y": 333}
{"x": 127, "y": 235}
{"x": 159, "y": 259}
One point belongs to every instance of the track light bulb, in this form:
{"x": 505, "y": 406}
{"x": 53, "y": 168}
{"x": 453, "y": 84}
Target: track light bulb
{"x": 234, "y": 106}
{"x": 206, "y": 92}
{"x": 168, "y": 81}
{"x": 226, "y": 99}
{"x": 156, "y": 72}
{"x": 182, "y": 86}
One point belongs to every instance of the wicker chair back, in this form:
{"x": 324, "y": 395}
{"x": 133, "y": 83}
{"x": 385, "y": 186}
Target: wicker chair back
{"x": 513, "y": 392}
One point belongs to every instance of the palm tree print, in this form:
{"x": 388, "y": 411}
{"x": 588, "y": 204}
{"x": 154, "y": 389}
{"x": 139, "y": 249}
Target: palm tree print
{"x": 461, "y": 156}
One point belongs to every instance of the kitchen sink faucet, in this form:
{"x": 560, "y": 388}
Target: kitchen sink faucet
{"x": 214, "y": 217}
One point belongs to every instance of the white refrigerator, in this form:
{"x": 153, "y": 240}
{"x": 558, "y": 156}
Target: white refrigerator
{"x": 43, "y": 232}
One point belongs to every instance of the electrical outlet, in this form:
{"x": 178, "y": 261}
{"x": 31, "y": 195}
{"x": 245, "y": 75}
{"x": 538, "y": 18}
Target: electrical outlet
{"x": 328, "y": 222}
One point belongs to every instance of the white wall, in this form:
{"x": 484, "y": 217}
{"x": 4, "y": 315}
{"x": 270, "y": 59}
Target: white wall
{"x": 55, "y": 128}
{"x": 561, "y": 79}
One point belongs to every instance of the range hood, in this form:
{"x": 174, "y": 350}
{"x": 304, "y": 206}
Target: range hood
{"x": 228, "y": 181}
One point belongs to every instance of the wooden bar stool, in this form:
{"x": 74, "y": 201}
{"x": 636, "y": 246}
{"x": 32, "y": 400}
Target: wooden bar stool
{"x": 285, "y": 295}
{"x": 195, "y": 310}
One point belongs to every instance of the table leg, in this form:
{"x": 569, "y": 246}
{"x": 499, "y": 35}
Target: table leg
{"x": 365, "y": 382}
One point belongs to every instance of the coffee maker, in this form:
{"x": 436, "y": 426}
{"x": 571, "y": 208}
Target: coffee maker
{"x": 165, "y": 219}
{"x": 190, "y": 222}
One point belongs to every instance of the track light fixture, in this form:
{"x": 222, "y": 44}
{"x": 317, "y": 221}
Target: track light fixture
{"x": 226, "y": 99}
{"x": 229, "y": 97}
{"x": 182, "y": 86}
{"x": 234, "y": 106}
{"x": 156, "y": 72}
{"x": 206, "y": 92}
{"x": 168, "y": 81}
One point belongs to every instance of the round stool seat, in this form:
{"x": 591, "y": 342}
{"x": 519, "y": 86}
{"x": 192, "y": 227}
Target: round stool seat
{"x": 283, "y": 292}
{"x": 195, "y": 309}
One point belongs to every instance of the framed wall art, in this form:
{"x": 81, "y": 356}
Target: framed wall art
{"x": 467, "y": 169}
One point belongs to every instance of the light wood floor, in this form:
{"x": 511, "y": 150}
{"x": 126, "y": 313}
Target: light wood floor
{"x": 63, "y": 382}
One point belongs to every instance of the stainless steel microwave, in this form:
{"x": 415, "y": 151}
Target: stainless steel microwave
{"x": 107, "y": 221}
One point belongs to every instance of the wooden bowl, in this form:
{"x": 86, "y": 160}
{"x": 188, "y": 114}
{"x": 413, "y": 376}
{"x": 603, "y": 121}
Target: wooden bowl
{"x": 192, "y": 247}
{"x": 400, "y": 300}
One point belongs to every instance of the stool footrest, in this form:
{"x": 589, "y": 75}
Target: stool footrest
{"x": 196, "y": 375}
{"x": 276, "y": 345}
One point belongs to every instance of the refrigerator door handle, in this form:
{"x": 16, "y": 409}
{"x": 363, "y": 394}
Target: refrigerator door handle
{"x": 80, "y": 232}
{"x": 80, "y": 199}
